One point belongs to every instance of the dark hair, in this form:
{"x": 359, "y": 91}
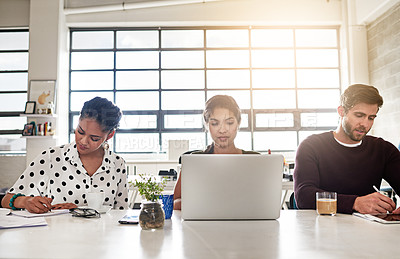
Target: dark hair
{"x": 359, "y": 93}
{"x": 103, "y": 111}
{"x": 221, "y": 101}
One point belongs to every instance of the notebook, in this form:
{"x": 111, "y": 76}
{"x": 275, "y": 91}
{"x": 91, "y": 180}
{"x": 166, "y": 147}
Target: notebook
{"x": 231, "y": 187}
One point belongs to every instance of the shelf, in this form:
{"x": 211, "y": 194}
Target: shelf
{"x": 38, "y": 137}
{"x": 39, "y": 115}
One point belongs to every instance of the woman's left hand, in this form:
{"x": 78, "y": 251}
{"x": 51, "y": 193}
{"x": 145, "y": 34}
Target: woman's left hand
{"x": 61, "y": 206}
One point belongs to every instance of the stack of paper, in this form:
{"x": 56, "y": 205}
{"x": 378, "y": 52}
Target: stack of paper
{"x": 9, "y": 221}
{"x": 22, "y": 218}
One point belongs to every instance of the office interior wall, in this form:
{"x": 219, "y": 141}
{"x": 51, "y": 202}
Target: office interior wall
{"x": 11, "y": 167}
{"x": 14, "y": 13}
{"x": 384, "y": 71}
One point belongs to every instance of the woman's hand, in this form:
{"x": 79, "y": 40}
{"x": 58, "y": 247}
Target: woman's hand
{"x": 61, "y": 206}
{"x": 37, "y": 204}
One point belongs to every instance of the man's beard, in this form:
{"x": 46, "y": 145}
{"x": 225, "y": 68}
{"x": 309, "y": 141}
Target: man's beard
{"x": 350, "y": 133}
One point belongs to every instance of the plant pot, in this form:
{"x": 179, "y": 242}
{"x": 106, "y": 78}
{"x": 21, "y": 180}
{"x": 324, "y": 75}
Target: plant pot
{"x": 151, "y": 215}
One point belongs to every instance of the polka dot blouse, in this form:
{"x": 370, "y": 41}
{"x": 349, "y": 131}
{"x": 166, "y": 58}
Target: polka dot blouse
{"x": 59, "y": 173}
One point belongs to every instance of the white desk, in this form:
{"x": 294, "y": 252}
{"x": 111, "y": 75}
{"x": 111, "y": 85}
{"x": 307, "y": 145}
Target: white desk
{"x": 296, "y": 234}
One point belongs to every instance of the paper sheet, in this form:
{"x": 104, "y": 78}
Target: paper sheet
{"x": 381, "y": 218}
{"x": 27, "y": 214}
{"x": 9, "y": 221}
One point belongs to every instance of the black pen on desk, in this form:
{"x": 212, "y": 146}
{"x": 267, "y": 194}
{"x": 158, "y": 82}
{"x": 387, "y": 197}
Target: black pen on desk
{"x": 42, "y": 197}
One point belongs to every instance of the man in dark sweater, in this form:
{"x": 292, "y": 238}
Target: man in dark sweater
{"x": 347, "y": 161}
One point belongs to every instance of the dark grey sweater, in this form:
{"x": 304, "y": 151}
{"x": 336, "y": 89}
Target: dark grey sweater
{"x": 322, "y": 164}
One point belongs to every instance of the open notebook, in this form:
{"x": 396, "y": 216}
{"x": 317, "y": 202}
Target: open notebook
{"x": 231, "y": 187}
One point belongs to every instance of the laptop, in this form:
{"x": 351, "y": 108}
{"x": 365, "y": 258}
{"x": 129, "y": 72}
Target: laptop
{"x": 231, "y": 187}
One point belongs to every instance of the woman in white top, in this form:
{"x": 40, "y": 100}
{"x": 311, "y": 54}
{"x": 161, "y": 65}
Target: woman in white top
{"x": 64, "y": 175}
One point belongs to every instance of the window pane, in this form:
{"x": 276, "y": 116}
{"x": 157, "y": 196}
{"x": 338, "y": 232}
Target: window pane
{"x": 182, "y": 59}
{"x": 184, "y": 79}
{"x": 137, "y": 80}
{"x": 228, "y": 79}
{"x": 137, "y": 39}
{"x": 274, "y": 78}
{"x": 12, "y": 102}
{"x": 92, "y": 60}
{"x": 241, "y": 97}
{"x": 75, "y": 121}
{"x": 275, "y": 140}
{"x": 12, "y": 123}
{"x": 13, "y": 81}
{"x": 318, "y": 98}
{"x": 137, "y": 101}
{"x": 266, "y": 120}
{"x": 272, "y": 38}
{"x": 184, "y": 121}
{"x": 182, "y": 39}
{"x": 317, "y": 58}
{"x": 227, "y": 59}
{"x": 13, "y": 61}
{"x": 197, "y": 141}
{"x": 274, "y": 99}
{"x": 318, "y": 78}
{"x": 138, "y": 122}
{"x": 92, "y": 80}
{"x": 188, "y": 100}
{"x": 14, "y": 40}
{"x": 304, "y": 134}
{"x": 12, "y": 143}
{"x": 79, "y": 98}
{"x": 145, "y": 59}
{"x": 272, "y": 58}
{"x": 227, "y": 38}
{"x": 93, "y": 40}
{"x": 243, "y": 140}
{"x": 316, "y": 38}
{"x": 319, "y": 119}
{"x": 140, "y": 142}
{"x": 245, "y": 121}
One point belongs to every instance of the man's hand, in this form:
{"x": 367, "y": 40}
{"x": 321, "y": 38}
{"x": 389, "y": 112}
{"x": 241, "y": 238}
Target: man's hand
{"x": 374, "y": 203}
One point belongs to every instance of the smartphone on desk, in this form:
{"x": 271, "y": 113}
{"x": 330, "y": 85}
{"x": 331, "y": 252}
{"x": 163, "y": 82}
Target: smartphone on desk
{"x": 129, "y": 219}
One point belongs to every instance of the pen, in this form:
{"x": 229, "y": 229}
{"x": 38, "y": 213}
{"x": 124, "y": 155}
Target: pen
{"x": 42, "y": 197}
{"x": 376, "y": 189}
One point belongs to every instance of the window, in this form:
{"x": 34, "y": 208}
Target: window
{"x": 14, "y": 46}
{"x": 285, "y": 80}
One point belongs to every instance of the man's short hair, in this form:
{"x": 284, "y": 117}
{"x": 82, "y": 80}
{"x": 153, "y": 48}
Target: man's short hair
{"x": 360, "y": 93}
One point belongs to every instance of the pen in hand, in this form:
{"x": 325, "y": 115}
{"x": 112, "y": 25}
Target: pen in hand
{"x": 42, "y": 197}
{"x": 376, "y": 189}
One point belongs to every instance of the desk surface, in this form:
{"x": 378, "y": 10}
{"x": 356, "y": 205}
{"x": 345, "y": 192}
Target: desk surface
{"x": 296, "y": 234}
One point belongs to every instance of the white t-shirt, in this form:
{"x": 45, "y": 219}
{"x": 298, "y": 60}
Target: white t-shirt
{"x": 59, "y": 173}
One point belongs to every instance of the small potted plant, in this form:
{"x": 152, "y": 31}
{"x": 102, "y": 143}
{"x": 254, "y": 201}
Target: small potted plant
{"x": 151, "y": 214}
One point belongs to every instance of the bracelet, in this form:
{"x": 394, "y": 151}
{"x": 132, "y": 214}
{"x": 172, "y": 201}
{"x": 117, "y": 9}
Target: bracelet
{"x": 13, "y": 199}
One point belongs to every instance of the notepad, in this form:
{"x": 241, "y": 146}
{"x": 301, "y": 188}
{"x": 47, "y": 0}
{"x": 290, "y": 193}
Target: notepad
{"x": 385, "y": 218}
{"x": 27, "y": 214}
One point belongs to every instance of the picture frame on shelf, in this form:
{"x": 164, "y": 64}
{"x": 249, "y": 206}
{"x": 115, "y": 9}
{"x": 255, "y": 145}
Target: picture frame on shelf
{"x": 28, "y": 129}
{"x": 42, "y": 92}
{"x": 30, "y": 107}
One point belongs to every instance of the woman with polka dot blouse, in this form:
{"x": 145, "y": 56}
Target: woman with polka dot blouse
{"x": 64, "y": 175}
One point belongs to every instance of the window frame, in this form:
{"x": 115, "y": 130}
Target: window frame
{"x": 251, "y": 111}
